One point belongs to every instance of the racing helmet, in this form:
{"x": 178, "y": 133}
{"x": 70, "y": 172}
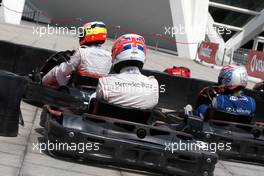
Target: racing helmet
{"x": 129, "y": 50}
{"x": 233, "y": 76}
{"x": 93, "y": 33}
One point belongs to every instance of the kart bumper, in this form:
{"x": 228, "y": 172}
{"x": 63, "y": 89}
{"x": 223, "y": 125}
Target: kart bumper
{"x": 247, "y": 141}
{"x": 122, "y": 144}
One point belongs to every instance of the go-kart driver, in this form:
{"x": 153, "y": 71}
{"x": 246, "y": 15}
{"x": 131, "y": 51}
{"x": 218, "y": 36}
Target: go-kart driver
{"x": 229, "y": 95}
{"x": 128, "y": 87}
{"x": 90, "y": 57}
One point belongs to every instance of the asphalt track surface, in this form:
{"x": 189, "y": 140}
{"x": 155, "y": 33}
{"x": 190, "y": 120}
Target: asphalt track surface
{"x": 18, "y": 157}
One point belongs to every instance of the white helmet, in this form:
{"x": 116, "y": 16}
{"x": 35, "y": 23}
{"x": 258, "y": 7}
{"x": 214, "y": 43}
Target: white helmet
{"x": 233, "y": 76}
{"x": 129, "y": 50}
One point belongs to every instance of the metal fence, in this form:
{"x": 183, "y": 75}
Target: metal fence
{"x": 30, "y": 12}
{"x": 240, "y": 56}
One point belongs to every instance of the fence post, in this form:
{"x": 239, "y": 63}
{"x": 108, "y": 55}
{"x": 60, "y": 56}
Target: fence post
{"x": 223, "y": 59}
{"x": 232, "y": 56}
{"x": 157, "y": 41}
{"x": 31, "y": 15}
{"x": 196, "y": 55}
{"x": 37, "y": 19}
{"x": 117, "y": 30}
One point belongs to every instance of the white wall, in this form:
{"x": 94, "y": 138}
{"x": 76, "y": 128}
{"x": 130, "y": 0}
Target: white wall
{"x": 192, "y": 16}
{"x": 1, "y": 14}
{"x": 13, "y": 10}
{"x": 216, "y": 38}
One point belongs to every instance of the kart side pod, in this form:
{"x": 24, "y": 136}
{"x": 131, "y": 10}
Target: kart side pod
{"x": 195, "y": 124}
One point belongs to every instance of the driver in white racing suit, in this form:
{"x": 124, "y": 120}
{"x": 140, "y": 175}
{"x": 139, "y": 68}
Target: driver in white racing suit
{"x": 90, "y": 57}
{"x": 129, "y": 88}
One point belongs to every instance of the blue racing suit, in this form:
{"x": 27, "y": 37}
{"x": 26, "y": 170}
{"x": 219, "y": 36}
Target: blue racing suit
{"x": 238, "y": 105}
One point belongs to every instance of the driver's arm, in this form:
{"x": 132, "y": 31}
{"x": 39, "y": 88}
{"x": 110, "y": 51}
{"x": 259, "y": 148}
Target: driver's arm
{"x": 101, "y": 90}
{"x": 66, "y": 68}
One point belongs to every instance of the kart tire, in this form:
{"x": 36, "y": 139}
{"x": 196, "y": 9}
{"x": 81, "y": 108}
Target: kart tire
{"x": 43, "y": 116}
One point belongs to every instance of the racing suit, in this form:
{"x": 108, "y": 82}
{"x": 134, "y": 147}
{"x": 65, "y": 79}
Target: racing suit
{"x": 91, "y": 59}
{"x": 129, "y": 89}
{"x": 241, "y": 105}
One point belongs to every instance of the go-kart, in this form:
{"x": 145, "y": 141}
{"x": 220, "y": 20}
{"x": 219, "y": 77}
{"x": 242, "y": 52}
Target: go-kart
{"x": 125, "y": 137}
{"x": 115, "y": 135}
{"x": 244, "y": 135}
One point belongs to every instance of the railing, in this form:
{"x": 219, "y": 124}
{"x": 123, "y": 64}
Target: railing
{"x": 30, "y": 12}
{"x": 240, "y": 56}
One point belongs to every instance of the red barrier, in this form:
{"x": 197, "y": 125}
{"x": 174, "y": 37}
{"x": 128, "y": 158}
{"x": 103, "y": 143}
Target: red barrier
{"x": 207, "y": 52}
{"x": 255, "y": 64}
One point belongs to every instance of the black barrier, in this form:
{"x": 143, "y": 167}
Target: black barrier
{"x": 178, "y": 91}
{"x": 22, "y": 59}
{"x": 11, "y": 92}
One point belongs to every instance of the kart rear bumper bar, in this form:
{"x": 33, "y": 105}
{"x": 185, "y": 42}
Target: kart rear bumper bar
{"x": 247, "y": 141}
{"x": 121, "y": 149}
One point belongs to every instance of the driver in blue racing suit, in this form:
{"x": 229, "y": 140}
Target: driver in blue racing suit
{"x": 229, "y": 95}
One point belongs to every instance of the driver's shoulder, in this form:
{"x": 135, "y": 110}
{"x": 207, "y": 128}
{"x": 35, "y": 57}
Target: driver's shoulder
{"x": 232, "y": 98}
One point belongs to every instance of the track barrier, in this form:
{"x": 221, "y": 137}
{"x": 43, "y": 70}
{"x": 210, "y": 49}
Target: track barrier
{"x": 255, "y": 64}
{"x": 177, "y": 91}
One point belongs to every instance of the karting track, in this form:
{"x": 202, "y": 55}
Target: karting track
{"x": 17, "y": 155}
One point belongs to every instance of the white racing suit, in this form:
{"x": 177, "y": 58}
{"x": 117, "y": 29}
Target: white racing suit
{"x": 93, "y": 59}
{"x": 129, "y": 89}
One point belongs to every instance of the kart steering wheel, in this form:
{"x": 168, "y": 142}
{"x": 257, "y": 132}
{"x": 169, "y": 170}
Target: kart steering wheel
{"x": 209, "y": 92}
{"x": 54, "y": 60}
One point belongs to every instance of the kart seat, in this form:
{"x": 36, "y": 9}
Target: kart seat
{"x": 102, "y": 108}
{"x": 213, "y": 114}
{"x": 82, "y": 78}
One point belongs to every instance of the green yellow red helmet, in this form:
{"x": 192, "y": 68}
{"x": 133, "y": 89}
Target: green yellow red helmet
{"x": 93, "y": 33}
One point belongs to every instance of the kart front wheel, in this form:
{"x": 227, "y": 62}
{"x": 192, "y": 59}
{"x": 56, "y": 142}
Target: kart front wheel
{"x": 43, "y": 116}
